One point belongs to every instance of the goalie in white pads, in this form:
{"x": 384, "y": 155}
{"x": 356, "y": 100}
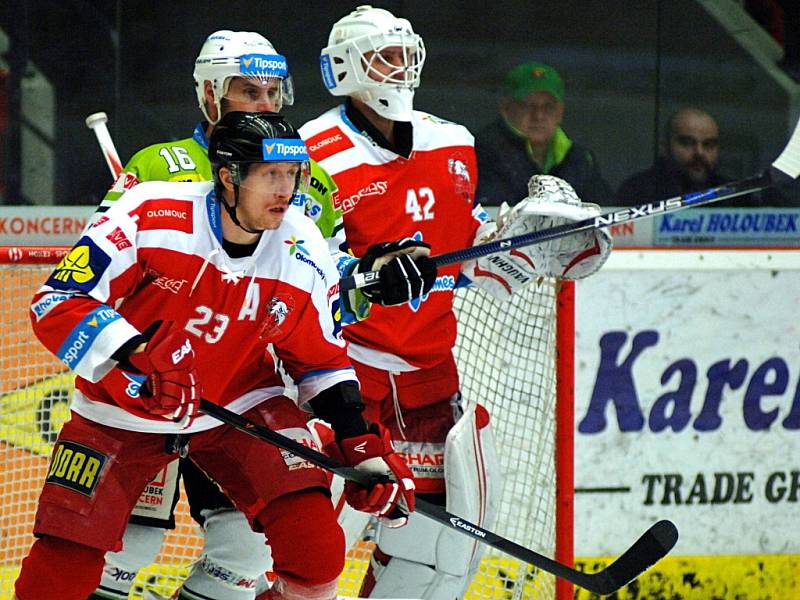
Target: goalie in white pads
{"x": 402, "y": 173}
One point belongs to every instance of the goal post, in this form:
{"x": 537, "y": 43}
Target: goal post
{"x": 515, "y": 357}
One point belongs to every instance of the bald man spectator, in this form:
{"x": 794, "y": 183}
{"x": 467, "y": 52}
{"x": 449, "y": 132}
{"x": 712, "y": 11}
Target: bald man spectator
{"x": 527, "y": 139}
{"x": 687, "y": 163}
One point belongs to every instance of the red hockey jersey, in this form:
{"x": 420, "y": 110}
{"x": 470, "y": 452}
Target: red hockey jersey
{"x": 384, "y": 196}
{"x": 157, "y": 254}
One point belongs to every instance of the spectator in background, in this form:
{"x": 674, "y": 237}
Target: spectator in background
{"x": 687, "y": 162}
{"x": 527, "y": 139}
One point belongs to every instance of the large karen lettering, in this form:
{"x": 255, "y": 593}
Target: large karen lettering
{"x": 616, "y": 387}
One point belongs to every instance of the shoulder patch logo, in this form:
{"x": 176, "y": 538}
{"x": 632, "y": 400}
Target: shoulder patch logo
{"x": 81, "y": 268}
{"x": 327, "y": 143}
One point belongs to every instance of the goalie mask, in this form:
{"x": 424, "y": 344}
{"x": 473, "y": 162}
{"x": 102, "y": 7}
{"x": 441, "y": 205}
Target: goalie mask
{"x": 228, "y": 54}
{"x": 242, "y": 139}
{"x": 374, "y": 57}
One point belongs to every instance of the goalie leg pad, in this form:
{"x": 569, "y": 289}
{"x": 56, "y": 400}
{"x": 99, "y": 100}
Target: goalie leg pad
{"x": 141, "y": 545}
{"x": 234, "y": 558}
{"x": 439, "y": 560}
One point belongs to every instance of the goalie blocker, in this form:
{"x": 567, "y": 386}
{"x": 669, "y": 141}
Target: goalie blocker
{"x": 551, "y": 202}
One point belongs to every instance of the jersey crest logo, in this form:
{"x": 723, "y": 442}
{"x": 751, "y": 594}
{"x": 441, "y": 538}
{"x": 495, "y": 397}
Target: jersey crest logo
{"x": 327, "y": 143}
{"x": 459, "y": 174}
{"x": 81, "y": 268}
{"x": 278, "y": 310}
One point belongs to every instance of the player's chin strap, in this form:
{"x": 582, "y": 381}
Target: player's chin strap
{"x": 231, "y": 210}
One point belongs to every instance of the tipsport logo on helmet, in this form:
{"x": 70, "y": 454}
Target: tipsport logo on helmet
{"x": 263, "y": 65}
{"x": 280, "y": 149}
{"x": 327, "y": 71}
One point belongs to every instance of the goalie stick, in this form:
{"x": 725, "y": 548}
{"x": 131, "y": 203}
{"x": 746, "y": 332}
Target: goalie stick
{"x": 785, "y": 168}
{"x": 97, "y": 123}
{"x": 653, "y": 545}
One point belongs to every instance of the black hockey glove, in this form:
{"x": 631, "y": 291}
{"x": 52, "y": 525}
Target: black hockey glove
{"x": 406, "y": 271}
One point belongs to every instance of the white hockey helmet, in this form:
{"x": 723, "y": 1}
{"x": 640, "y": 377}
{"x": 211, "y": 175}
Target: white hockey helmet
{"x": 352, "y": 64}
{"x": 227, "y": 54}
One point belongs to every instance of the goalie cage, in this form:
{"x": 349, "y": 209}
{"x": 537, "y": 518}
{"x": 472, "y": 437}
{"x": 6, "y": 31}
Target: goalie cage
{"x": 510, "y": 356}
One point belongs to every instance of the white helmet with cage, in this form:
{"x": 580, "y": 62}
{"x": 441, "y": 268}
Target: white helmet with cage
{"x": 353, "y": 62}
{"x": 227, "y": 54}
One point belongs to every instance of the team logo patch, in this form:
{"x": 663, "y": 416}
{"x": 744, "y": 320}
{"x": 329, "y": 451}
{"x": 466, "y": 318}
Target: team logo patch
{"x": 165, "y": 213}
{"x": 459, "y": 174}
{"x": 327, "y": 143}
{"x": 278, "y": 310}
{"x": 76, "y": 467}
{"x": 81, "y": 268}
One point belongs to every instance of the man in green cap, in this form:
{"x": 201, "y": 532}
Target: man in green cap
{"x": 527, "y": 139}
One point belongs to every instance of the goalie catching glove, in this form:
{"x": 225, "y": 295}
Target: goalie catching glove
{"x": 171, "y": 389}
{"x": 551, "y": 202}
{"x": 406, "y": 271}
{"x": 391, "y": 495}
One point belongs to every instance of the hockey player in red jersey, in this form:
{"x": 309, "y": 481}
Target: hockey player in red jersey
{"x": 405, "y": 173}
{"x": 234, "y": 70}
{"x": 190, "y": 289}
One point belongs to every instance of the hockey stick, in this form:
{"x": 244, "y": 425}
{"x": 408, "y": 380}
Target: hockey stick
{"x": 97, "y": 123}
{"x": 656, "y": 542}
{"x": 785, "y": 168}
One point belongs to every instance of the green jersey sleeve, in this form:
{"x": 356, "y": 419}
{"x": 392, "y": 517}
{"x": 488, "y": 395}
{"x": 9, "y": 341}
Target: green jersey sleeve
{"x": 319, "y": 206}
{"x": 181, "y": 160}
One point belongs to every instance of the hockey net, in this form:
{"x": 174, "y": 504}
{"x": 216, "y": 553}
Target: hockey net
{"x": 510, "y": 356}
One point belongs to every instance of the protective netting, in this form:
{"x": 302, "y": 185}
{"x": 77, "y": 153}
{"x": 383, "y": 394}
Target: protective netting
{"x": 506, "y": 358}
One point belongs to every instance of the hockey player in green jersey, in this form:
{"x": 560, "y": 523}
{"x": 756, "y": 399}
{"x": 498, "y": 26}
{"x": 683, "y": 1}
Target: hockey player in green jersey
{"x": 221, "y": 87}
{"x": 235, "y": 71}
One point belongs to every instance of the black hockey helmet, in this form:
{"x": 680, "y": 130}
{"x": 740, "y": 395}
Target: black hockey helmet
{"x": 253, "y": 137}
{"x": 241, "y": 139}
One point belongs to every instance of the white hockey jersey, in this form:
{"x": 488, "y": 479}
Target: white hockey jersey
{"x": 157, "y": 255}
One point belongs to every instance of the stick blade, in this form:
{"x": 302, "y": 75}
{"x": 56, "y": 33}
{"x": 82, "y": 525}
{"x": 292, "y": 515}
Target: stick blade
{"x": 654, "y": 545}
{"x": 788, "y": 163}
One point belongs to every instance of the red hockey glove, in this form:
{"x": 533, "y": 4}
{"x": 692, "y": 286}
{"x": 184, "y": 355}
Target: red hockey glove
{"x": 172, "y": 389}
{"x": 391, "y": 500}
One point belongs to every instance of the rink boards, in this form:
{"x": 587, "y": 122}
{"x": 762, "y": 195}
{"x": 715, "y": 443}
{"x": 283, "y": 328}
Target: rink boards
{"x": 687, "y": 407}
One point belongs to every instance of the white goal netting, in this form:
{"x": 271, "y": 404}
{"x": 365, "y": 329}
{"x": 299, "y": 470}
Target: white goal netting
{"x": 507, "y": 360}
